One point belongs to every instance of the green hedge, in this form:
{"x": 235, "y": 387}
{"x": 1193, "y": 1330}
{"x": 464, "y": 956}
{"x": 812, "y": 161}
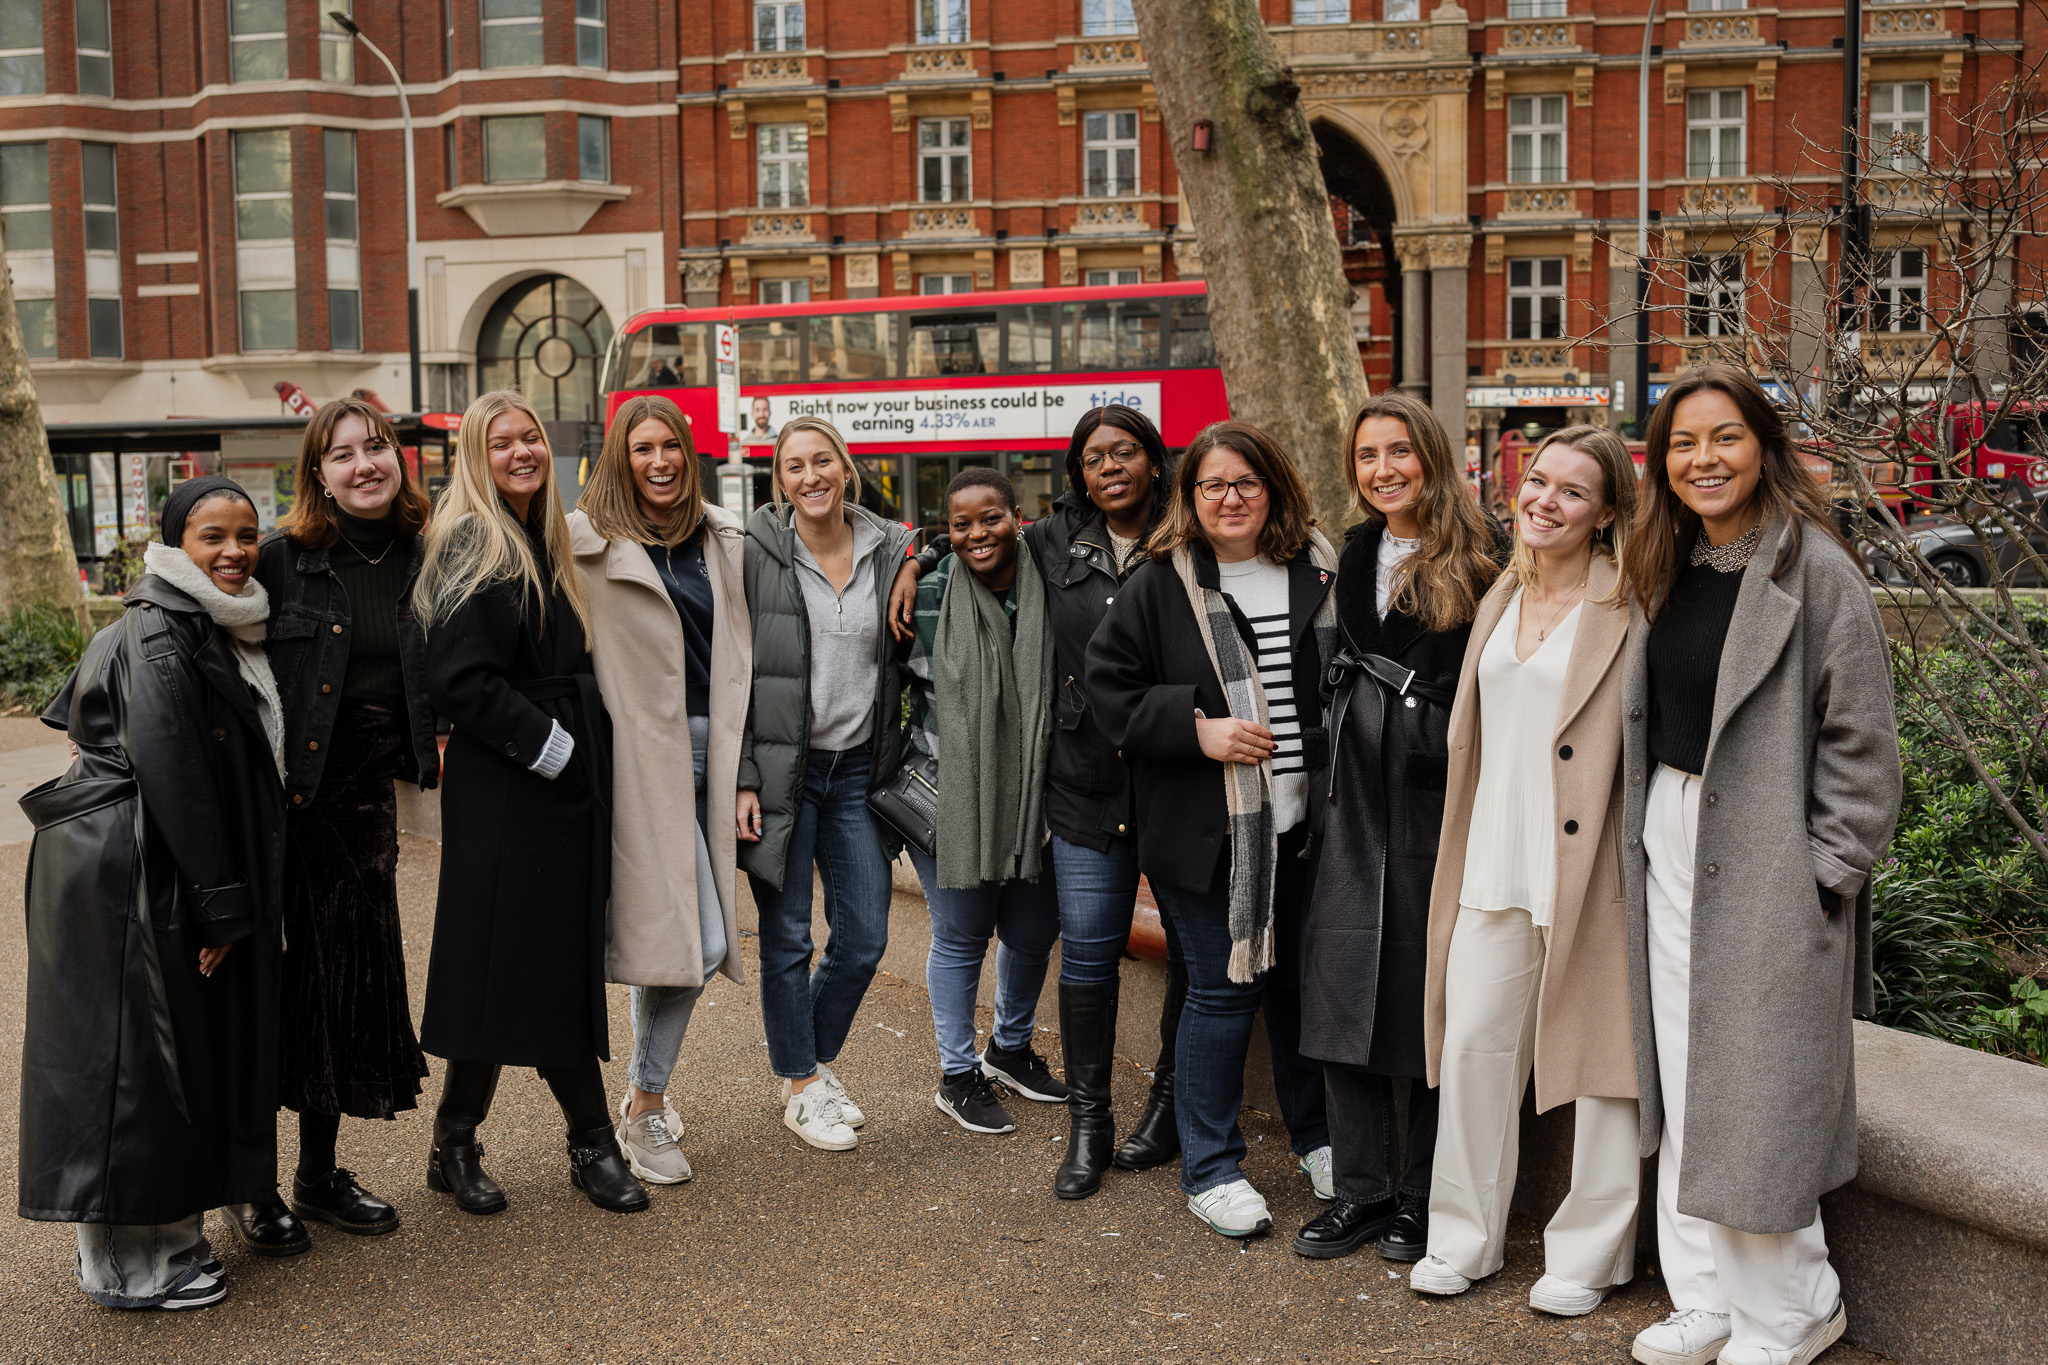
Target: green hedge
{"x": 38, "y": 650}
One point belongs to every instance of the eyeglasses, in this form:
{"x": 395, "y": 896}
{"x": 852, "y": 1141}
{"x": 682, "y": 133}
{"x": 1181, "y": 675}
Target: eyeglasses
{"x": 1120, "y": 456}
{"x": 1250, "y": 488}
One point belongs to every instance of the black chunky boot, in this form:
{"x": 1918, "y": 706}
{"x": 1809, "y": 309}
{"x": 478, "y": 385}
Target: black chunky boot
{"x": 455, "y": 1166}
{"x": 1088, "y": 1042}
{"x": 1156, "y": 1139}
{"x": 598, "y": 1168}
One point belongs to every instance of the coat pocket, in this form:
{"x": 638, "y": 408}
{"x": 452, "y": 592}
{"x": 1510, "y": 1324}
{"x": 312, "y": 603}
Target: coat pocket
{"x": 294, "y": 624}
{"x": 1069, "y": 704}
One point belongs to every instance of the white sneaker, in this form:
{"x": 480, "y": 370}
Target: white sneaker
{"x": 849, "y": 1112}
{"x": 1235, "y": 1209}
{"x": 1316, "y": 1166}
{"x": 1434, "y": 1275}
{"x": 201, "y": 1291}
{"x": 649, "y": 1143}
{"x": 815, "y": 1116}
{"x": 1823, "y": 1337}
{"x": 1692, "y": 1336}
{"x": 1561, "y": 1298}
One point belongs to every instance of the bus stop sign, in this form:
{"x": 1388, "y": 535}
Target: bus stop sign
{"x": 726, "y": 349}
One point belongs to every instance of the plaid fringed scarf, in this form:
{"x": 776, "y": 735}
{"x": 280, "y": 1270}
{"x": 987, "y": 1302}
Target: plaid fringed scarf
{"x": 1248, "y": 787}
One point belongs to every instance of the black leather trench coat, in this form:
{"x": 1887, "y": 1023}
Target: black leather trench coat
{"x": 148, "y": 1091}
{"x": 1365, "y": 941}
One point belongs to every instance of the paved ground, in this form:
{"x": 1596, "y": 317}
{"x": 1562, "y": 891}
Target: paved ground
{"x": 924, "y": 1244}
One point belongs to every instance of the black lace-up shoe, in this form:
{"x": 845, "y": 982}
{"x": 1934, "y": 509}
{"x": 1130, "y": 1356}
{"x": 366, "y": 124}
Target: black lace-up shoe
{"x": 968, "y": 1100}
{"x": 1343, "y": 1228}
{"x": 337, "y": 1200}
{"x": 1025, "y": 1072}
{"x": 1407, "y": 1237}
{"x": 268, "y": 1228}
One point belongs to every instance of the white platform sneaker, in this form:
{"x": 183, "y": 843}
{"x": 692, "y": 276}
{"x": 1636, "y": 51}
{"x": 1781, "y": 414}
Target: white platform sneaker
{"x": 1691, "y": 1336}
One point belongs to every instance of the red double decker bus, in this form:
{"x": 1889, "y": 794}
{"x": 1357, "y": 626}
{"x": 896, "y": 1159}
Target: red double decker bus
{"x": 925, "y": 385}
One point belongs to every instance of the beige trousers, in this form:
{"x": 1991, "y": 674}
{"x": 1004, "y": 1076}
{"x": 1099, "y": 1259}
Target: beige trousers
{"x": 1775, "y": 1287}
{"x": 1493, "y": 977}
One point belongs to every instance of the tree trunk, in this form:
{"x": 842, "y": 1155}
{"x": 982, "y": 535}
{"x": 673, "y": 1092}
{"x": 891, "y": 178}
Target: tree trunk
{"x": 37, "y": 566}
{"x": 1279, "y": 305}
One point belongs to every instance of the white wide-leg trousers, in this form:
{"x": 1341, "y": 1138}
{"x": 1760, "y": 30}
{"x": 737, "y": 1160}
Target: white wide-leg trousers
{"x": 1494, "y": 973}
{"x": 1775, "y": 1287}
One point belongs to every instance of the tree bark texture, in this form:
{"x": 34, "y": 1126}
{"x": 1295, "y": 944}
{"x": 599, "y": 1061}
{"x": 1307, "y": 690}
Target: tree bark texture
{"x": 1279, "y": 305}
{"x": 37, "y": 565}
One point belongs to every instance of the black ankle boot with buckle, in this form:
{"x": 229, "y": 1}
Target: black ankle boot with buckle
{"x": 455, "y": 1165}
{"x": 598, "y": 1168}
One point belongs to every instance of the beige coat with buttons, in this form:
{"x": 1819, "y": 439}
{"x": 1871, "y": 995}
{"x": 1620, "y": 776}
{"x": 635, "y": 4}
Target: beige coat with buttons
{"x": 1583, "y": 1032}
{"x": 652, "y": 936}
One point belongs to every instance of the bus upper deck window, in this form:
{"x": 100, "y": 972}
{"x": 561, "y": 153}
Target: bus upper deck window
{"x": 771, "y": 351}
{"x": 667, "y": 356}
{"x": 952, "y": 343}
{"x": 1193, "y": 347}
{"x": 1115, "y": 334}
{"x": 1029, "y": 338}
{"x": 853, "y": 346}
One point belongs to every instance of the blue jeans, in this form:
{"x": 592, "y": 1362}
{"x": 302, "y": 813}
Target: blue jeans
{"x": 1025, "y": 918}
{"x": 1216, "y": 1024}
{"x": 1097, "y": 894}
{"x": 808, "y": 1014}
{"x": 661, "y": 1014}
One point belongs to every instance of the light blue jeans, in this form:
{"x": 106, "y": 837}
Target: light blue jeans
{"x": 661, "y": 1014}
{"x": 122, "y": 1266}
{"x": 1025, "y": 919}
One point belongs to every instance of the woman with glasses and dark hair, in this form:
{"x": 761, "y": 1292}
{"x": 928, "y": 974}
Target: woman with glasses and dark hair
{"x": 1204, "y": 675}
{"x": 1757, "y": 706}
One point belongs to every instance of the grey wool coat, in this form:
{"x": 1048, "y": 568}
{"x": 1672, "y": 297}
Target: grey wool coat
{"x": 1803, "y": 738}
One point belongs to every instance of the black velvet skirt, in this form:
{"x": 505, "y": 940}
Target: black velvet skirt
{"x": 348, "y": 1045}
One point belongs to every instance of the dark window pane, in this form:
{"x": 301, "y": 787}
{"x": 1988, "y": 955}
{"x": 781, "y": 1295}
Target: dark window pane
{"x": 344, "y": 320}
{"x": 95, "y": 74}
{"x": 97, "y": 163}
{"x": 1553, "y": 317}
{"x": 770, "y": 352}
{"x": 94, "y": 31}
{"x": 102, "y": 230}
{"x": 1193, "y": 344}
{"x": 339, "y": 149}
{"x": 38, "y": 326}
{"x": 1030, "y": 341}
{"x": 25, "y": 174}
{"x": 103, "y": 327}
{"x": 667, "y": 356}
{"x": 951, "y": 343}
{"x": 1118, "y": 334}
{"x": 341, "y": 220}
{"x": 21, "y": 23}
{"x": 853, "y": 346}
{"x": 593, "y": 148}
{"x": 1518, "y": 274}
{"x": 26, "y": 231}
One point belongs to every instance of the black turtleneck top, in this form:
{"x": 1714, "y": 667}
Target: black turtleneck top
{"x": 1685, "y": 661}
{"x": 371, "y": 561}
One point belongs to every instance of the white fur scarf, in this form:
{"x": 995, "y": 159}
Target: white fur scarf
{"x": 242, "y": 618}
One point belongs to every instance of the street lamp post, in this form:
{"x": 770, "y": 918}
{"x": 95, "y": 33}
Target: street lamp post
{"x": 1642, "y": 394}
{"x": 412, "y": 220}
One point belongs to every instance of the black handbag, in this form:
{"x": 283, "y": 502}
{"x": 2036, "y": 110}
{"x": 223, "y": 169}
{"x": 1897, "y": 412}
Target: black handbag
{"x": 909, "y": 803}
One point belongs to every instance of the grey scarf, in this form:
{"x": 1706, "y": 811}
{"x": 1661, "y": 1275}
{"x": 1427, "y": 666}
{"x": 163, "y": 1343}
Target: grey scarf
{"x": 992, "y": 696}
{"x": 242, "y": 618}
{"x": 1248, "y": 787}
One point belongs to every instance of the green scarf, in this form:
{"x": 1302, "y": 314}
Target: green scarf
{"x": 992, "y": 696}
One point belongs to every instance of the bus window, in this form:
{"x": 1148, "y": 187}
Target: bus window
{"x": 1115, "y": 334}
{"x": 1028, "y": 341}
{"x": 666, "y": 356}
{"x": 771, "y": 352}
{"x": 1193, "y": 347}
{"x": 853, "y": 346}
{"x": 881, "y": 485}
{"x": 951, "y": 343}
{"x": 1038, "y": 476}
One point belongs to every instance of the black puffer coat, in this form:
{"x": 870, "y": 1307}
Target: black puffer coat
{"x": 148, "y": 1091}
{"x": 1365, "y": 940}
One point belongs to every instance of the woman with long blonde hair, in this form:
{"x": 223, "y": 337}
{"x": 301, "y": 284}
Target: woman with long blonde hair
{"x": 516, "y": 975}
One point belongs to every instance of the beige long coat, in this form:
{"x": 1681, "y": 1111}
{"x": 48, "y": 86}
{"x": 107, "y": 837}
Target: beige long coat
{"x": 651, "y": 933}
{"x": 1583, "y": 1030}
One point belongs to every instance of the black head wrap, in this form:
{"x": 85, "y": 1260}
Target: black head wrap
{"x": 189, "y": 495}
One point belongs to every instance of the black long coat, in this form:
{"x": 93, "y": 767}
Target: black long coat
{"x": 1365, "y": 941}
{"x": 516, "y": 975}
{"x": 148, "y": 1091}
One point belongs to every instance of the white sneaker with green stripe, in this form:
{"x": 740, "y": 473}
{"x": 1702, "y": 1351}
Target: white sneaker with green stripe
{"x": 814, "y": 1115}
{"x": 1235, "y": 1209}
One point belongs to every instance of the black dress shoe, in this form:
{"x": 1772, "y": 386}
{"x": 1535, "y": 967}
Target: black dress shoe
{"x": 1407, "y": 1237}
{"x": 457, "y": 1168}
{"x": 336, "y": 1199}
{"x": 268, "y": 1228}
{"x": 1343, "y": 1228}
{"x": 598, "y": 1168}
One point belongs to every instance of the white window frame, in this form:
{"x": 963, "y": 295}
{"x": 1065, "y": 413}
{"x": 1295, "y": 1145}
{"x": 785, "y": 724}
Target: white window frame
{"x": 952, "y": 153}
{"x": 337, "y": 46}
{"x": 781, "y": 34}
{"x": 783, "y": 147}
{"x": 263, "y": 265}
{"x": 593, "y": 40}
{"x": 1716, "y": 6}
{"x": 1322, "y": 11}
{"x": 1901, "y": 296}
{"x": 34, "y": 268}
{"x": 1715, "y": 295}
{"x": 1536, "y": 9}
{"x": 503, "y": 121}
{"x": 344, "y": 254}
{"x": 1538, "y": 134}
{"x": 943, "y": 21}
{"x": 1898, "y": 135}
{"x": 1103, "y": 141}
{"x": 1535, "y": 291}
{"x": 1715, "y": 124}
{"x": 1108, "y": 18}
{"x": 945, "y": 282}
{"x": 584, "y": 124}
{"x": 42, "y": 81}
{"x": 103, "y": 57}
{"x": 1401, "y": 11}
{"x": 1116, "y": 275}
{"x": 249, "y": 40}
{"x": 794, "y": 289}
{"x": 484, "y": 25}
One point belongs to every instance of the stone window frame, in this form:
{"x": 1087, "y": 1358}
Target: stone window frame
{"x": 1114, "y": 183}
{"x": 792, "y": 157}
{"x": 1535, "y": 291}
{"x": 1534, "y": 132}
{"x": 1715, "y": 124}
{"x": 1897, "y": 123}
{"x": 1716, "y": 294}
{"x": 781, "y": 35}
{"x": 952, "y": 156}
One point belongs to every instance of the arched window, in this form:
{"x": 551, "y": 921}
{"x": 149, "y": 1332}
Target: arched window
{"x": 546, "y": 337}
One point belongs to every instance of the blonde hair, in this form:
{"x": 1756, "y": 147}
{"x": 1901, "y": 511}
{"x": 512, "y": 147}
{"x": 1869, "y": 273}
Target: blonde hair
{"x": 1611, "y": 453}
{"x": 611, "y": 499}
{"x": 1442, "y": 582}
{"x": 475, "y": 541}
{"x": 832, "y": 438}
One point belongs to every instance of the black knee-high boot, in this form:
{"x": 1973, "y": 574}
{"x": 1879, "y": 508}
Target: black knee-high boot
{"x": 455, "y": 1166}
{"x": 1156, "y": 1139}
{"x": 596, "y": 1165}
{"x": 1088, "y": 1043}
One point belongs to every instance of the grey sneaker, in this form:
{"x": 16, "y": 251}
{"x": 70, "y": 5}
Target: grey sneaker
{"x": 650, "y": 1147}
{"x": 1316, "y": 1166}
{"x": 1234, "y": 1209}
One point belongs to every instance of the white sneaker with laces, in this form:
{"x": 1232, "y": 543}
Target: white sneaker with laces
{"x": 814, "y": 1115}
{"x": 1824, "y": 1336}
{"x": 1316, "y": 1166}
{"x": 1691, "y": 1336}
{"x": 1561, "y": 1298}
{"x": 649, "y": 1143}
{"x": 1434, "y": 1275}
{"x": 849, "y": 1112}
{"x": 1235, "y": 1209}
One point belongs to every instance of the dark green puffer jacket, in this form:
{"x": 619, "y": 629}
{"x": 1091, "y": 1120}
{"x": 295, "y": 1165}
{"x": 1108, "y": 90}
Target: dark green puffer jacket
{"x": 778, "y": 738}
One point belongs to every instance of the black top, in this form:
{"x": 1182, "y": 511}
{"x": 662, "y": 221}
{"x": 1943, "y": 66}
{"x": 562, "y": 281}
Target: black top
{"x": 1685, "y": 658}
{"x": 688, "y": 582}
{"x": 374, "y": 571}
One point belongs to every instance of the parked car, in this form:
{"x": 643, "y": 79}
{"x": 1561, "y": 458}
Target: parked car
{"x": 1953, "y": 551}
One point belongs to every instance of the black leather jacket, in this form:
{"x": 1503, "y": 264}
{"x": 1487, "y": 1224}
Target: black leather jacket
{"x": 308, "y": 647}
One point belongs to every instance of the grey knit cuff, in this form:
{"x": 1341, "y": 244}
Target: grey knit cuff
{"x": 554, "y": 755}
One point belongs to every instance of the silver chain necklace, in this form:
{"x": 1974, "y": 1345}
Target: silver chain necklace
{"x": 1727, "y": 558}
